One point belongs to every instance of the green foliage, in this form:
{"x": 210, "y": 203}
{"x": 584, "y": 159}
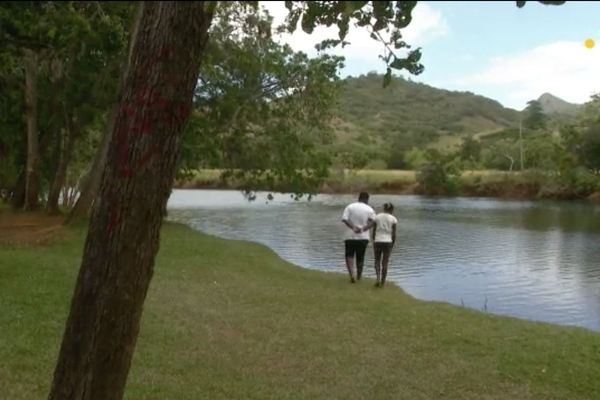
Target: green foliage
{"x": 415, "y": 158}
{"x": 521, "y": 3}
{"x": 409, "y": 114}
{"x": 590, "y": 147}
{"x": 503, "y": 155}
{"x": 581, "y": 181}
{"x": 264, "y": 114}
{"x": 383, "y": 19}
{"x": 470, "y": 149}
{"x": 440, "y": 175}
{"x": 582, "y": 139}
{"x": 262, "y": 111}
{"x": 534, "y": 117}
{"x": 80, "y": 47}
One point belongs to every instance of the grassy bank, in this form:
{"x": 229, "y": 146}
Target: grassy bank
{"x": 346, "y": 181}
{"x": 507, "y": 185}
{"x": 231, "y": 320}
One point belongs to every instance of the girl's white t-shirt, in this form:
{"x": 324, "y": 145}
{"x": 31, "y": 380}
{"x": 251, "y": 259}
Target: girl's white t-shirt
{"x": 385, "y": 222}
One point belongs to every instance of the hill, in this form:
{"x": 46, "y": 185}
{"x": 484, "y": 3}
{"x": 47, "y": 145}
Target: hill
{"x": 408, "y": 114}
{"x": 554, "y": 105}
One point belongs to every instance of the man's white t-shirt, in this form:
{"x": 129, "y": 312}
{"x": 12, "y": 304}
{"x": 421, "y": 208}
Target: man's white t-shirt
{"x": 359, "y": 214}
{"x": 385, "y": 223}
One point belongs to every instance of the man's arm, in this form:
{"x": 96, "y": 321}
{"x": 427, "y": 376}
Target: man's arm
{"x": 347, "y": 222}
{"x": 350, "y": 225}
{"x": 369, "y": 225}
{"x": 370, "y": 222}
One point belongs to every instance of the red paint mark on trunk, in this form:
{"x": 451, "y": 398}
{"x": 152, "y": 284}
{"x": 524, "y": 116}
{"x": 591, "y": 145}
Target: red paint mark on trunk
{"x": 148, "y": 155}
{"x": 115, "y": 220}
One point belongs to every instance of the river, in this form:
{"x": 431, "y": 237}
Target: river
{"x": 532, "y": 260}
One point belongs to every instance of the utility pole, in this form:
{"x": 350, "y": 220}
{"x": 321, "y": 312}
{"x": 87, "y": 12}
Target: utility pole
{"x": 521, "y": 141}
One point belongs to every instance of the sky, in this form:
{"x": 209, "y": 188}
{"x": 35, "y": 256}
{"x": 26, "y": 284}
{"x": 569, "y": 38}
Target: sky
{"x": 493, "y": 48}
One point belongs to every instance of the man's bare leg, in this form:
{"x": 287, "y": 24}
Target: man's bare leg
{"x": 359, "y": 269}
{"x": 350, "y": 266}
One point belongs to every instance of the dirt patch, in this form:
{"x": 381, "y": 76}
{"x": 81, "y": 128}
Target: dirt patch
{"x": 36, "y": 227}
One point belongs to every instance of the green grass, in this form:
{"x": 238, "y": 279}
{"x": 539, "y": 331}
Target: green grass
{"x": 530, "y": 184}
{"x": 350, "y": 181}
{"x": 366, "y": 179}
{"x": 231, "y": 320}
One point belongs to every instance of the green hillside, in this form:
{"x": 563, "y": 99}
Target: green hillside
{"x": 407, "y": 114}
{"x": 378, "y": 124}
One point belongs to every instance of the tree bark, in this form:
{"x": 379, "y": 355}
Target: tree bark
{"x": 17, "y": 196}
{"x": 92, "y": 182}
{"x": 65, "y": 196}
{"x": 89, "y": 189}
{"x": 32, "y": 175}
{"x": 123, "y": 236}
{"x": 61, "y": 169}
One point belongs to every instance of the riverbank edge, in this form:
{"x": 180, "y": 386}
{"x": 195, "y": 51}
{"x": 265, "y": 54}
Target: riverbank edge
{"x": 440, "y": 348}
{"x": 469, "y": 186}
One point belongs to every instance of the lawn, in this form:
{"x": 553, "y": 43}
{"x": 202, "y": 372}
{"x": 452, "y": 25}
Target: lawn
{"x": 231, "y": 320}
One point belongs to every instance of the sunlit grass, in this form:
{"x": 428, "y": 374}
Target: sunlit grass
{"x": 231, "y": 320}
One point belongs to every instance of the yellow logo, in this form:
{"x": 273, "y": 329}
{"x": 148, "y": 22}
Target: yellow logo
{"x": 589, "y": 43}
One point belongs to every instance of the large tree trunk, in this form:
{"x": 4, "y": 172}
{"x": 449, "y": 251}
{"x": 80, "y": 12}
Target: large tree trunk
{"x": 89, "y": 189}
{"x": 61, "y": 170}
{"x": 123, "y": 236}
{"x": 17, "y": 196}
{"x": 31, "y": 177}
{"x": 91, "y": 184}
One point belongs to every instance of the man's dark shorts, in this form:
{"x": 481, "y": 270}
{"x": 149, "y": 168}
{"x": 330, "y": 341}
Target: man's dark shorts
{"x": 357, "y": 247}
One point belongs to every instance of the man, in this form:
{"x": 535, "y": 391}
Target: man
{"x": 358, "y": 218}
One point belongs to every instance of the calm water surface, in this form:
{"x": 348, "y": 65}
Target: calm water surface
{"x": 533, "y": 260}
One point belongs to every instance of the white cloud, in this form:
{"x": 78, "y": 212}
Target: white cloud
{"x": 566, "y": 69}
{"x": 427, "y": 25}
{"x": 361, "y": 55}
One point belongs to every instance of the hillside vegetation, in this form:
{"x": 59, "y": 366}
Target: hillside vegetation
{"x": 377, "y": 127}
{"x": 408, "y": 114}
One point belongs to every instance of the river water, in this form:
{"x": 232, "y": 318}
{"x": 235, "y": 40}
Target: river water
{"x": 532, "y": 260}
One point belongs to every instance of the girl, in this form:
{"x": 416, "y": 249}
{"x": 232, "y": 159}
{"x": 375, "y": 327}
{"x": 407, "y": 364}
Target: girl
{"x": 384, "y": 237}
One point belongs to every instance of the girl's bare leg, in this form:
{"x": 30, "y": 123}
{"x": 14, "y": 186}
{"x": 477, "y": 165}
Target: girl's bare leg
{"x": 386, "y": 260}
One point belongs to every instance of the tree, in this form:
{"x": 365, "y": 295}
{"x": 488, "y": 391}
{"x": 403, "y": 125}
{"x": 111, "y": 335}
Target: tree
{"x": 501, "y": 155}
{"x": 534, "y": 117}
{"x": 123, "y": 236}
{"x": 439, "y": 175}
{"x": 88, "y": 71}
{"x": 30, "y": 59}
{"x": 543, "y": 152}
{"x": 29, "y": 32}
{"x": 69, "y": 47}
{"x": 415, "y": 158}
{"x": 380, "y": 18}
{"x": 91, "y": 183}
{"x": 470, "y": 149}
{"x": 259, "y": 97}
{"x": 590, "y": 147}
{"x": 582, "y": 139}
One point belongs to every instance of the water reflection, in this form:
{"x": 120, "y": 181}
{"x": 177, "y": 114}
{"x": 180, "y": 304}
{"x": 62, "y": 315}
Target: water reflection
{"x": 531, "y": 260}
